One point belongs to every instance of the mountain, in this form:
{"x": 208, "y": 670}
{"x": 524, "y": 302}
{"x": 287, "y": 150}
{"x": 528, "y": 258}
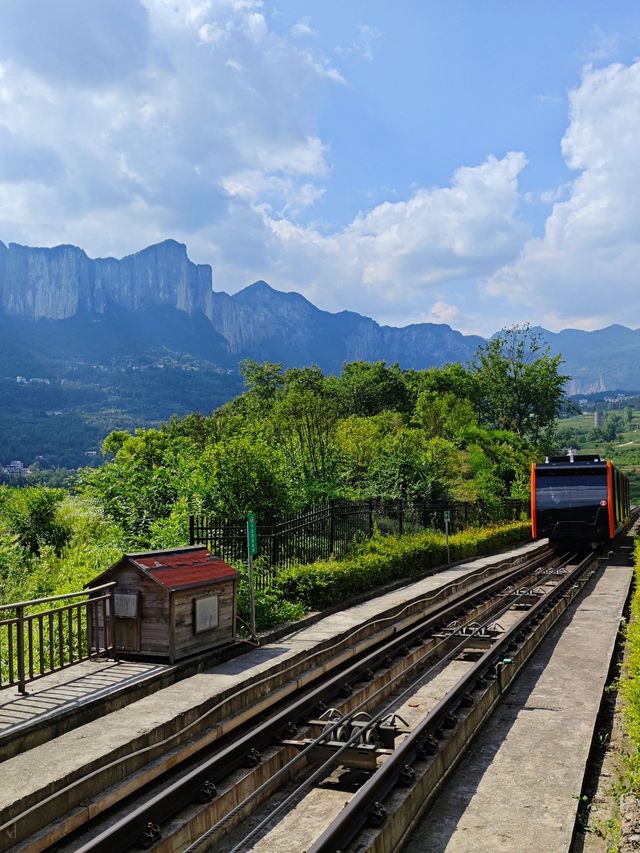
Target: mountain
{"x": 91, "y": 345}
{"x": 602, "y": 360}
{"x": 58, "y": 283}
{"x": 262, "y": 323}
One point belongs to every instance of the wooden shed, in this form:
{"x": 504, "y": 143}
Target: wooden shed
{"x": 174, "y": 603}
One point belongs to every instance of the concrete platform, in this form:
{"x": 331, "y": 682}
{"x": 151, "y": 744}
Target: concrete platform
{"x": 72, "y": 687}
{"x": 517, "y": 788}
{"x": 133, "y": 737}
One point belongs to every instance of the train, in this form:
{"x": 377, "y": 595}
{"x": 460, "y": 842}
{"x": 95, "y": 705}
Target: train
{"x": 578, "y": 499}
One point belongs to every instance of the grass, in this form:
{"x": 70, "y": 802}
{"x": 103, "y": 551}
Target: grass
{"x": 624, "y": 450}
{"x": 628, "y": 685}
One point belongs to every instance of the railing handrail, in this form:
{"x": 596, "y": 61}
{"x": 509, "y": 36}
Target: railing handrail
{"x": 56, "y": 597}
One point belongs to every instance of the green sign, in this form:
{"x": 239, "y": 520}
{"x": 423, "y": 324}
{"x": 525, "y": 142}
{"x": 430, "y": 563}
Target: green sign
{"x": 447, "y": 515}
{"x": 252, "y": 534}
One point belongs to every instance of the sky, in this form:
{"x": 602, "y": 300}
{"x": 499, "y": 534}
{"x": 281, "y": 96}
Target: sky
{"x": 470, "y": 162}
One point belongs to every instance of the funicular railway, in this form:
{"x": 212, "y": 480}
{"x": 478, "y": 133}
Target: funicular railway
{"x": 344, "y": 741}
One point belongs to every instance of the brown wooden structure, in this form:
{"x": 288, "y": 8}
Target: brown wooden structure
{"x": 173, "y": 603}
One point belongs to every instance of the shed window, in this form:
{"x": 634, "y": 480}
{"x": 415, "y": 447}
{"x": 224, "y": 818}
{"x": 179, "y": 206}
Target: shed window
{"x": 126, "y": 605}
{"x": 206, "y": 614}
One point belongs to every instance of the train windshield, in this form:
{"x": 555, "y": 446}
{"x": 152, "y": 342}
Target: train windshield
{"x": 560, "y": 489}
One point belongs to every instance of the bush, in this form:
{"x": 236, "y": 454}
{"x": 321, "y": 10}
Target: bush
{"x": 381, "y": 560}
{"x": 630, "y": 685}
{"x": 272, "y": 608}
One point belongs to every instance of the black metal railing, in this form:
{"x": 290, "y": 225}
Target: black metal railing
{"x": 36, "y": 642}
{"x": 324, "y": 530}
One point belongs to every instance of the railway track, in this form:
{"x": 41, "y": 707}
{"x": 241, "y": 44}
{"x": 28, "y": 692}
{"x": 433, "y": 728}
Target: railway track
{"x": 202, "y": 804}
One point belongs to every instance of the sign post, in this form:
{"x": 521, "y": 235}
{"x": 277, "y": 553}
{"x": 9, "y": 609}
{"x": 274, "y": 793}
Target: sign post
{"x": 447, "y": 519}
{"x": 252, "y": 550}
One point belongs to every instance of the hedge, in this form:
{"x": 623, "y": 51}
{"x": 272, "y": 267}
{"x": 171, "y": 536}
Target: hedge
{"x": 389, "y": 558}
{"x": 630, "y": 683}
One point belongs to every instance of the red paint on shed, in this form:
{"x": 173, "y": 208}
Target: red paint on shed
{"x": 180, "y": 570}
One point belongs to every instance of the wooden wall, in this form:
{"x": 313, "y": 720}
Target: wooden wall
{"x": 153, "y": 612}
{"x": 186, "y": 642}
{"x": 157, "y": 611}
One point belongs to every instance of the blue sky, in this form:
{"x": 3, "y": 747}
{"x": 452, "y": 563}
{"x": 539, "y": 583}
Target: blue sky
{"x": 466, "y": 162}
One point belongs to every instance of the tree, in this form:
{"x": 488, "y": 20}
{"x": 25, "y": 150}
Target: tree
{"x": 369, "y": 388}
{"x": 304, "y": 424}
{"x": 443, "y": 415}
{"x": 521, "y": 388}
{"x": 410, "y": 467}
{"x": 31, "y": 515}
{"x": 263, "y": 381}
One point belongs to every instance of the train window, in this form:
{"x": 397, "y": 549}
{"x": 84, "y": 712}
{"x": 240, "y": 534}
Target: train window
{"x": 569, "y": 489}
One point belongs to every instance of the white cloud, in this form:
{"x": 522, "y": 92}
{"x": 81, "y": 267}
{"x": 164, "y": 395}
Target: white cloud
{"x": 584, "y": 270}
{"x": 364, "y": 43}
{"x": 130, "y": 121}
{"x": 303, "y": 29}
{"x": 392, "y": 257}
{"x": 442, "y": 312}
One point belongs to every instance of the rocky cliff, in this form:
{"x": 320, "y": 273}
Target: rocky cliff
{"x": 264, "y": 323}
{"x": 59, "y": 283}
{"x": 260, "y": 322}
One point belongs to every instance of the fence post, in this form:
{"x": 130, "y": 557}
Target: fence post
{"x": 192, "y": 532}
{"x": 111, "y": 608}
{"x": 331, "y": 526}
{"x": 400, "y": 516}
{"x": 370, "y": 517}
{"x": 275, "y": 549}
{"x": 20, "y": 626}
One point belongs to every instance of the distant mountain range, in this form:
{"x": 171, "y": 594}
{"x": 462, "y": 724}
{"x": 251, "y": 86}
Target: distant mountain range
{"x": 90, "y": 345}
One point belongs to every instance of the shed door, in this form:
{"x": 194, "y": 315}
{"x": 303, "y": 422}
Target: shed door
{"x": 127, "y": 621}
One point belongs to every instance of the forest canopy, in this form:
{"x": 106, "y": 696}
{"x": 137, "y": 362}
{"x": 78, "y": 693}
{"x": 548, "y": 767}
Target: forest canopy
{"x": 296, "y": 437}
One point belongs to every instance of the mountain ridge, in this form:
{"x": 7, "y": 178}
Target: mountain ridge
{"x": 258, "y": 321}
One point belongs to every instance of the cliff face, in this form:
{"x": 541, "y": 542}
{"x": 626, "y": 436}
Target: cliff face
{"x": 58, "y": 283}
{"x": 263, "y": 323}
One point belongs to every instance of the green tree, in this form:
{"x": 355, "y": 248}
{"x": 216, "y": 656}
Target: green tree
{"x": 521, "y": 388}
{"x": 263, "y": 381}
{"x": 408, "y": 467}
{"x": 31, "y": 515}
{"x": 366, "y": 388}
{"x": 443, "y": 415}
{"x": 304, "y": 422}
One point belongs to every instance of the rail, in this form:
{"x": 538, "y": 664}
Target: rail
{"x": 359, "y": 811}
{"x": 36, "y": 644}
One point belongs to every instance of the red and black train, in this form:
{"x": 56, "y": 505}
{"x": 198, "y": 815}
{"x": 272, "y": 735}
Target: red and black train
{"x": 578, "y": 499}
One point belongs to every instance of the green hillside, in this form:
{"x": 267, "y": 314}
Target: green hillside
{"x": 618, "y": 440}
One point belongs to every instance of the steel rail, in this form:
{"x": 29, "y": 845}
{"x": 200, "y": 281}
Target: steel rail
{"x": 431, "y": 598}
{"x": 355, "y": 815}
{"x": 161, "y": 807}
{"x": 320, "y": 772}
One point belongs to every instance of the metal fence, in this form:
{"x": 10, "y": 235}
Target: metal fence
{"x": 330, "y": 529}
{"x": 33, "y": 644}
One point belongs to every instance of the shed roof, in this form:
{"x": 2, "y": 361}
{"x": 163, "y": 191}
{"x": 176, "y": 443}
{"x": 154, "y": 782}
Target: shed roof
{"x": 179, "y": 568}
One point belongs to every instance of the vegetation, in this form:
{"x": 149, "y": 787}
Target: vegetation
{"x": 630, "y": 684}
{"x": 385, "y": 559}
{"x": 295, "y": 437}
{"x": 618, "y": 439}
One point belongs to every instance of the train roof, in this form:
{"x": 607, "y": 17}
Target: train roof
{"x": 572, "y": 458}
{"x": 572, "y": 463}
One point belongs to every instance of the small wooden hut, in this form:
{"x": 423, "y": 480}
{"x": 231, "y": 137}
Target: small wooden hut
{"x": 173, "y": 603}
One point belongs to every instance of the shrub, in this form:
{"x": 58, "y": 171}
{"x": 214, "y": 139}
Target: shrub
{"x": 272, "y": 608}
{"x": 630, "y": 684}
{"x": 382, "y": 560}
